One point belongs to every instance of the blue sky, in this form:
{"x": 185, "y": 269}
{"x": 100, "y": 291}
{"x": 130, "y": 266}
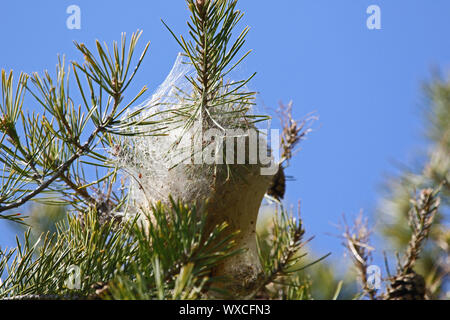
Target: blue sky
{"x": 364, "y": 84}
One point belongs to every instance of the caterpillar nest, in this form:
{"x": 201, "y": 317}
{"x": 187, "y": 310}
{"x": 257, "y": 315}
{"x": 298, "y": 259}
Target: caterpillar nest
{"x": 198, "y": 158}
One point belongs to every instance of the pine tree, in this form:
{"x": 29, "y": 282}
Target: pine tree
{"x": 139, "y": 218}
{"x": 432, "y": 171}
{"x": 123, "y": 238}
{"x": 413, "y": 222}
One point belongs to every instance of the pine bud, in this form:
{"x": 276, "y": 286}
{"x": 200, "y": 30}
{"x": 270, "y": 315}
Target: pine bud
{"x": 201, "y": 4}
{"x": 3, "y": 124}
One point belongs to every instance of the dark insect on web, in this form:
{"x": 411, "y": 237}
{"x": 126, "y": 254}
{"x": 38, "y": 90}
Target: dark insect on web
{"x": 277, "y": 186}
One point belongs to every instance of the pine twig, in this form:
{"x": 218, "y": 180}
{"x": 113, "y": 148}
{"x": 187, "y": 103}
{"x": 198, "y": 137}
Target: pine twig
{"x": 356, "y": 241}
{"x": 421, "y": 217}
{"x": 61, "y": 169}
{"x": 407, "y": 284}
{"x": 293, "y": 132}
{"x": 283, "y": 259}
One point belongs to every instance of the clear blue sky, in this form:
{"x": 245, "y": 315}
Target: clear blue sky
{"x": 364, "y": 84}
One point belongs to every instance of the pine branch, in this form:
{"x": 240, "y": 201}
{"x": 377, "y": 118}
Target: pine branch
{"x": 52, "y": 147}
{"x": 356, "y": 241}
{"x": 421, "y": 218}
{"x": 293, "y": 132}
{"x": 61, "y": 169}
{"x": 283, "y": 257}
{"x": 212, "y": 52}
